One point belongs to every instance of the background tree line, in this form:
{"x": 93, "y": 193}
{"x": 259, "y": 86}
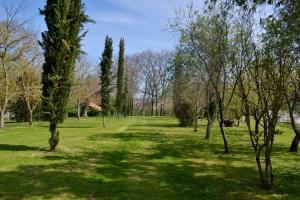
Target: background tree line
{"x": 241, "y": 66}
{"x": 142, "y": 89}
{"x": 228, "y": 65}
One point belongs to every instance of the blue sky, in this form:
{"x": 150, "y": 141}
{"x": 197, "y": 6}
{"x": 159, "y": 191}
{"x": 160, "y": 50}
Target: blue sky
{"x": 143, "y": 23}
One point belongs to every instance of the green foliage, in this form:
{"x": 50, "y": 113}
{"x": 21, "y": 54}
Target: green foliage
{"x": 61, "y": 46}
{"x": 120, "y": 82}
{"x": 183, "y": 109}
{"x": 105, "y": 76}
{"x": 112, "y": 110}
{"x": 178, "y": 78}
{"x": 72, "y": 111}
{"x": 185, "y": 114}
{"x": 127, "y": 100}
{"x": 211, "y": 108}
{"x": 246, "y": 4}
{"x": 21, "y": 113}
{"x": 19, "y": 108}
{"x": 92, "y": 112}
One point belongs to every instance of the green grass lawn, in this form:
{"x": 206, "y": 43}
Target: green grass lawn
{"x": 139, "y": 158}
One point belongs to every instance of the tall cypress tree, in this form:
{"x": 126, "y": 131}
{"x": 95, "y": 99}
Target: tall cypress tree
{"x": 105, "y": 77}
{"x": 61, "y": 46}
{"x": 120, "y": 81}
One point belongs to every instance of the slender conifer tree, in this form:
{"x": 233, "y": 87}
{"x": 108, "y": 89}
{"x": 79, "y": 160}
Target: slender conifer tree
{"x": 61, "y": 46}
{"x": 120, "y": 81}
{"x": 105, "y": 77}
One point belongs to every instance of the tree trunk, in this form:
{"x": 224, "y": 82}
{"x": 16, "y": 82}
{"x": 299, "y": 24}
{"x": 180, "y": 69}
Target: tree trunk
{"x": 268, "y": 179}
{"x": 296, "y": 140}
{"x": 1, "y": 119}
{"x": 156, "y": 104}
{"x": 226, "y": 149}
{"x": 54, "y": 139}
{"x": 196, "y": 123}
{"x": 258, "y": 164}
{"x": 30, "y": 118}
{"x": 78, "y": 111}
{"x": 161, "y": 110}
{"x": 131, "y": 107}
{"x": 196, "y": 119}
{"x": 85, "y": 111}
{"x": 295, "y": 143}
{"x": 208, "y": 127}
{"x": 238, "y": 121}
{"x": 221, "y": 119}
{"x": 209, "y": 122}
{"x": 152, "y": 105}
{"x": 103, "y": 121}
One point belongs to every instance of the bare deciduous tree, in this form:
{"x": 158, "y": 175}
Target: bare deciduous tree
{"x": 156, "y": 77}
{"x": 15, "y": 39}
{"x": 84, "y": 85}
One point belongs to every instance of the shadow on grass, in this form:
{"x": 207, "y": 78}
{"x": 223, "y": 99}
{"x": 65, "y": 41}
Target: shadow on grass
{"x": 61, "y": 126}
{"x": 159, "y": 125}
{"x": 174, "y": 167}
{"x": 10, "y": 147}
{"x": 128, "y": 136}
{"x": 126, "y": 175}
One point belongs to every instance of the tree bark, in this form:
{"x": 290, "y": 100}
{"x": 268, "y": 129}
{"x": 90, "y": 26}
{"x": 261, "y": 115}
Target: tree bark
{"x": 156, "y": 104}
{"x": 208, "y": 127}
{"x": 54, "y": 139}
{"x": 258, "y": 164}
{"x": 103, "y": 121}
{"x": 131, "y": 107}
{"x": 1, "y": 119}
{"x": 30, "y": 118}
{"x": 268, "y": 178}
{"x": 295, "y": 143}
{"x": 161, "y": 110}
{"x": 226, "y": 149}
{"x": 221, "y": 119}
{"x": 152, "y": 105}
{"x": 78, "y": 111}
{"x": 196, "y": 123}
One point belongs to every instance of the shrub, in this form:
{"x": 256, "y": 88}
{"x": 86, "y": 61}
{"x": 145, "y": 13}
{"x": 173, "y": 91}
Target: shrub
{"x": 93, "y": 112}
{"x": 21, "y": 113}
{"x": 112, "y": 110}
{"x": 72, "y": 111}
{"x": 185, "y": 114}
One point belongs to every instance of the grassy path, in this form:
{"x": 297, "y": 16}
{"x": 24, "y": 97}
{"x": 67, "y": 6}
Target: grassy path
{"x": 138, "y": 158}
